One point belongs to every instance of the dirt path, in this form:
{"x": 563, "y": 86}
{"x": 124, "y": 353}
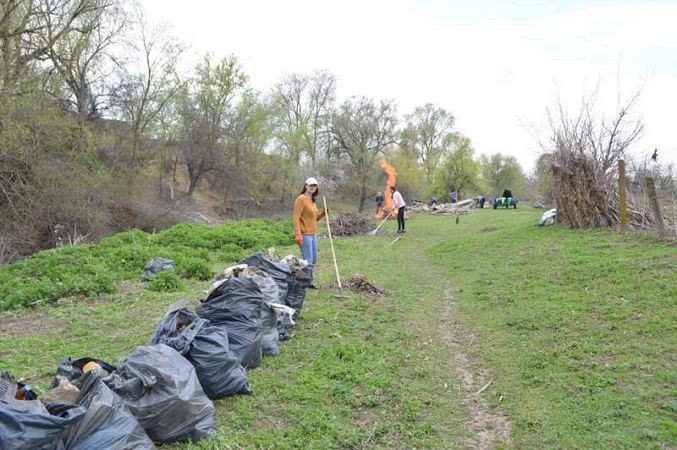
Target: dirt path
{"x": 488, "y": 426}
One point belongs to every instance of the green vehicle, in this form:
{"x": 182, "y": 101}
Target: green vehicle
{"x": 507, "y": 200}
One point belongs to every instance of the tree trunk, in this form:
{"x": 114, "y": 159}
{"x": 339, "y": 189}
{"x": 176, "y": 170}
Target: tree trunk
{"x": 363, "y": 192}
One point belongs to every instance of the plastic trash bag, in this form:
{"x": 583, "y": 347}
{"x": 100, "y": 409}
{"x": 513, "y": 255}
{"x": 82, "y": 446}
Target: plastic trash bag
{"x": 237, "y": 303}
{"x": 107, "y": 424}
{"x": 28, "y": 424}
{"x": 301, "y": 278}
{"x": 279, "y": 271}
{"x": 548, "y": 218}
{"x": 205, "y": 345}
{"x": 160, "y": 387}
{"x": 270, "y": 344}
{"x": 156, "y": 265}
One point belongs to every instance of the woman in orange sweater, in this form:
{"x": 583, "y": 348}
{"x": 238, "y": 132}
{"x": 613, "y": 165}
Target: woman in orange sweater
{"x": 305, "y": 220}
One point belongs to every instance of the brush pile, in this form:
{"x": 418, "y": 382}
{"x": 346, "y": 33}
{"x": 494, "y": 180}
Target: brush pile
{"x": 351, "y": 225}
{"x": 462, "y": 207}
{"x": 359, "y": 283}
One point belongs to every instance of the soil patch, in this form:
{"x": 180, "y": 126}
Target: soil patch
{"x": 490, "y": 427}
{"x": 28, "y": 324}
{"x": 488, "y": 229}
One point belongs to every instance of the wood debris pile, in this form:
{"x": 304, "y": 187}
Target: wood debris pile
{"x": 351, "y": 224}
{"x": 462, "y": 207}
{"x": 360, "y": 283}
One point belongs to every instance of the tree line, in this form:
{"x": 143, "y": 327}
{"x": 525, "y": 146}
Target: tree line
{"x": 92, "y": 101}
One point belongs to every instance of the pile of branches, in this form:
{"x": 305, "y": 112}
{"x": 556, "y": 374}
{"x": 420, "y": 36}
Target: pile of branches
{"x": 584, "y": 153}
{"x": 350, "y": 225}
{"x": 360, "y": 283}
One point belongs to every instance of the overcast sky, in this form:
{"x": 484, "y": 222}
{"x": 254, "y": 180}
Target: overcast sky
{"x": 496, "y": 65}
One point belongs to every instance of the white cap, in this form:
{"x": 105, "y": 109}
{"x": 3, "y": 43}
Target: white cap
{"x": 311, "y": 180}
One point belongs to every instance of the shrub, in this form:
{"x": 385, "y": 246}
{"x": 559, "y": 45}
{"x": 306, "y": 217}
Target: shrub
{"x": 165, "y": 281}
{"x": 194, "y": 268}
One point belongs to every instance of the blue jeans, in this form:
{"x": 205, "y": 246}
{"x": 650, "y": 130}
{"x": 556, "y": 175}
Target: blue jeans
{"x": 309, "y": 248}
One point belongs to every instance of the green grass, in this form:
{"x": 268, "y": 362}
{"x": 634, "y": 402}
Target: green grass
{"x": 91, "y": 270}
{"x": 579, "y": 328}
{"x": 576, "y": 329}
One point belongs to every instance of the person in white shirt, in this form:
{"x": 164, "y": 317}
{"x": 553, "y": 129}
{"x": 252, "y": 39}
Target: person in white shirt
{"x": 398, "y": 205}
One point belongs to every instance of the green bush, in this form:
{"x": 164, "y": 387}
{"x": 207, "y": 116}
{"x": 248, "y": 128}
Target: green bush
{"x": 91, "y": 270}
{"x": 165, "y": 281}
{"x": 194, "y": 268}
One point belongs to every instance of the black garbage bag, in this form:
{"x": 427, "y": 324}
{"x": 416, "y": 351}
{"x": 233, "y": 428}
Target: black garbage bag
{"x": 71, "y": 369}
{"x": 270, "y": 344}
{"x": 28, "y": 424}
{"x": 237, "y": 303}
{"x": 156, "y": 265}
{"x": 160, "y": 387}
{"x": 108, "y": 423}
{"x": 205, "y": 345}
{"x": 301, "y": 279}
{"x": 279, "y": 271}
{"x": 270, "y": 341}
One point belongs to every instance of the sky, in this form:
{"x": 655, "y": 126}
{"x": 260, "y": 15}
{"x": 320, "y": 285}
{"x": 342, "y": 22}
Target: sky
{"x": 495, "y": 65}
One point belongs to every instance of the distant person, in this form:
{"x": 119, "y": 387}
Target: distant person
{"x": 482, "y": 200}
{"x": 305, "y": 219}
{"x": 379, "y": 202}
{"x": 433, "y": 201}
{"x": 398, "y": 205}
{"x": 453, "y": 196}
{"x": 507, "y": 193}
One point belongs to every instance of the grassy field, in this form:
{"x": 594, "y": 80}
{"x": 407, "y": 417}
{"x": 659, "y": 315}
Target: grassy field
{"x": 494, "y": 334}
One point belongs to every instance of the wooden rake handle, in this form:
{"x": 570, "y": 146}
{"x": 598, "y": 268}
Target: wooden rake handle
{"x": 331, "y": 242}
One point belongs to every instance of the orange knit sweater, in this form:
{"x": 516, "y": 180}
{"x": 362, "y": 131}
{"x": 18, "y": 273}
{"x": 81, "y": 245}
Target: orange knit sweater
{"x": 305, "y": 215}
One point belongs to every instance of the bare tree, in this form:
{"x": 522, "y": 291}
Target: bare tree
{"x": 363, "y": 130}
{"x": 429, "y": 132}
{"x": 149, "y": 84}
{"x": 302, "y": 105}
{"x": 31, "y": 29}
{"x": 204, "y": 111}
{"x": 585, "y": 153}
{"x": 83, "y": 58}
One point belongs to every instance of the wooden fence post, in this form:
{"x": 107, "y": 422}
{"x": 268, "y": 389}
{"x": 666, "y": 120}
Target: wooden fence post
{"x": 655, "y": 206}
{"x": 623, "y": 200}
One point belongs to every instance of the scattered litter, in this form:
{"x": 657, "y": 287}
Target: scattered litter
{"x": 205, "y": 345}
{"x": 548, "y": 218}
{"x": 62, "y": 391}
{"x": 28, "y": 424}
{"x": 285, "y": 320}
{"x": 73, "y": 369}
{"x": 161, "y": 389}
{"x": 360, "y": 283}
{"x": 157, "y": 265}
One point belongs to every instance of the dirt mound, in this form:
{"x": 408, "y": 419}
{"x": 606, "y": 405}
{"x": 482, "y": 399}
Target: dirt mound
{"x": 350, "y": 225}
{"x": 360, "y": 283}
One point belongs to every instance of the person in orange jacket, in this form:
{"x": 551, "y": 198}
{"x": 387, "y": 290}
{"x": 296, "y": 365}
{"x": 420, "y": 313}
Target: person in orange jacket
{"x": 305, "y": 220}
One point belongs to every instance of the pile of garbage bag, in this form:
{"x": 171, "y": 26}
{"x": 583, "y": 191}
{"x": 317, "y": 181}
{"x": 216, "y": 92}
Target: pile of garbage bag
{"x": 163, "y": 392}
